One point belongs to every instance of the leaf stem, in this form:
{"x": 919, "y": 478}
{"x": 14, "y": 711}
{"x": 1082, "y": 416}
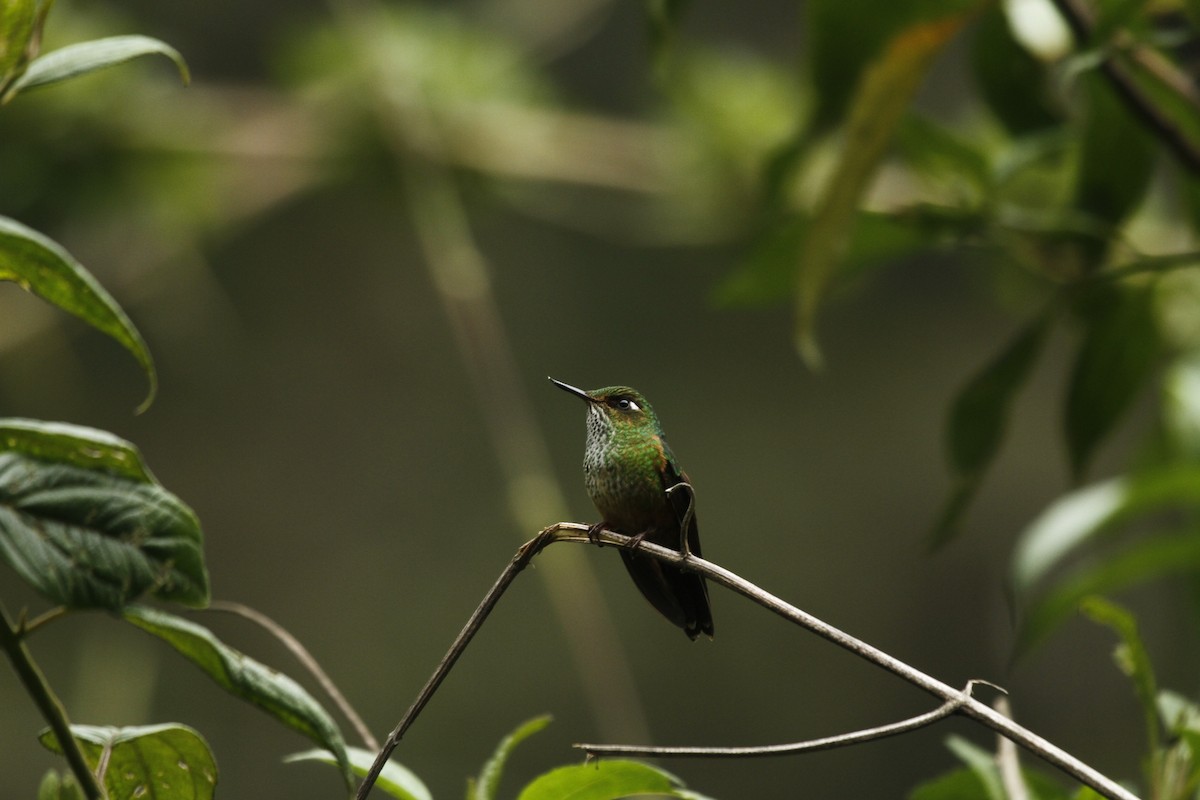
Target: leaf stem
{"x": 42, "y": 619}
{"x": 306, "y": 659}
{"x": 46, "y": 701}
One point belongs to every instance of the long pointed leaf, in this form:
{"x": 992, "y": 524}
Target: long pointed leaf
{"x": 273, "y": 692}
{"x": 979, "y": 417}
{"x": 1117, "y": 355}
{"x": 880, "y": 102}
{"x": 1132, "y": 658}
{"x": 488, "y": 784}
{"x": 42, "y": 266}
{"x": 1158, "y": 557}
{"x": 395, "y": 779}
{"x": 84, "y": 57}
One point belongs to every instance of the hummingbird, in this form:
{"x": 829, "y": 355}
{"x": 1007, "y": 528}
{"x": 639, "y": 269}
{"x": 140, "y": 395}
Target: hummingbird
{"x": 638, "y": 488}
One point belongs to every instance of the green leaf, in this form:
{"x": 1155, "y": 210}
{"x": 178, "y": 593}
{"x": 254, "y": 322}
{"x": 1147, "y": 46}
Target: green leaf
{"x": 936, "y": 151}
{"x": 965, "y": 783}
{"x": 1011, "y": 81}
{"x": 979, "y": 417}
{"x": 243, "y": 677}
{"x": 84, "y": 523}
{"x": 59, "y": 787}
{"x": 1181, "y": 406}
{"x": 395, "y": 779}
{"x": 41, "y": 266}
{"x": 1154, "y": 558}
{"x": 154, "y": 762}
{"x": 20, "y": 36}
{"x": 79, "y": 59}
{"x": 1081, "y": 518}
{"x": 959, "y": 784}
{"x": 981, "y": 763}
{"x": 1118, "y": 352}
{"x": 768, "y": 273}
{"x": 879, "y": 102}
{"x": 603, "y": 780}
{"x": 1178, "y": 713}
{"x": 1117, "y": 156}
{"x": 1131, "y": 657}
{"x": 488, "y": 783}
{"x": 62, "y": 442}
{"x": 845, "y": 36}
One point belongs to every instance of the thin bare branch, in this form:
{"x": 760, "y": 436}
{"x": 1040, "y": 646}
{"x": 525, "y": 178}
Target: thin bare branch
{"x": 306, "y": 659}
{"x": 827, "y": 743}
{"x": 48, "y": 704}
{"x": 1008, "y": 760}
{"x": 524, "y": 555}
{"x": 961, "y": 701}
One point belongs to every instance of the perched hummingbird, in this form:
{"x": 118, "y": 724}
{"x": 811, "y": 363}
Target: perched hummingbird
{"x": 629, "y": 472}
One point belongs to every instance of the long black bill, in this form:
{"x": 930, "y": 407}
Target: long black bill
{"x": 566, "y": 387}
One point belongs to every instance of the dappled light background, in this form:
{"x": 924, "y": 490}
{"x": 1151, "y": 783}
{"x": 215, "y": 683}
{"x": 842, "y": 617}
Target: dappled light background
{"x": 355, "y": 273}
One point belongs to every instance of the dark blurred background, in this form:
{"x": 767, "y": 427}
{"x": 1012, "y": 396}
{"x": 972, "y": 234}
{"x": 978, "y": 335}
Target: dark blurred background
{"x": 339, "y": 423}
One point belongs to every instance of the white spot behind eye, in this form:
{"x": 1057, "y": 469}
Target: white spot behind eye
{"x": 625, "y": 404}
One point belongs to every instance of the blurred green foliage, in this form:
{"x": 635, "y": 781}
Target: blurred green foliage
{"x": 1062, "y": 175}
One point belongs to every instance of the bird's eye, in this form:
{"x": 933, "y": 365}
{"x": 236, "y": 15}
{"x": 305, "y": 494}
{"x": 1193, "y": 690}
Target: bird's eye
{"x": 625, "y": 404}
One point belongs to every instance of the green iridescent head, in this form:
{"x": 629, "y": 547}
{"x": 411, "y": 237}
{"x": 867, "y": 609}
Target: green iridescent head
{"x": 620, "y": 406}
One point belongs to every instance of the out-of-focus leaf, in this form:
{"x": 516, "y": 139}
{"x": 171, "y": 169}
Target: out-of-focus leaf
{"x": 1178, "y": 713}
{"x": 1116, "y": 156}
{"x": 273, "y": 692}
{"x": 1181, "y": 407}
{"x": 1081, "y": 517}
{"x": 41, "y": 266}
{"x": 1154, "y": 558}
{"x": 1118, "y": 352}
{"x": 979, "y": 417}
{"x": 665, "y": 17}
{"x": 1131, "y": 658}
{"x": 1011, "y": 81}
{"x": 488, "y": 783}
{"x": 980, "y": 780}
{"x": 980, "y": 412}
{"x": 958, "y": 784}
{"x": 167, "y": 762}
{"x": 981, "y": 763}
{"x": 84, "y": 57}
{"x": 879, "y": 103}
{"x": 20, "y": 30}
{"x": 767, "y": 275}
{"x": 936, "y": 151}
{"x": 603, "y": 780}
{"x": 83, "y": 522}
{"x": 844, "y": 36}
{"x": 395, "y": 779}
{"x": 59, "y": 787}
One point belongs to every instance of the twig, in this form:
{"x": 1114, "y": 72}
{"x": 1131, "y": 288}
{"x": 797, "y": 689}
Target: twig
{"x": 575, "y": 532}
{"x": 46, "y": 701}
{"x": 812, "y": 745}
{"x": 1165, "y": 128}
{"x": 306, "y": 659}
{"x": 1008, "y": 761}
{"x": 44, "y": 618}
{"x": 524, "y": 555}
